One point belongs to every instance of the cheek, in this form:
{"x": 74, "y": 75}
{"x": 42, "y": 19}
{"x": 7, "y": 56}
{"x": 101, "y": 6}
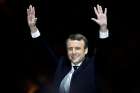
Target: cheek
{"x": 69, "y": 54}
{"x": 81, "y": 52}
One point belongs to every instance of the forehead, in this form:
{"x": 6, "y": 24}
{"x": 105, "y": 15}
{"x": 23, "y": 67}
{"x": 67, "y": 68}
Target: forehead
{"x": 75, "y": 43}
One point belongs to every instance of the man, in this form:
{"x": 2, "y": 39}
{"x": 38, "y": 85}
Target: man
{"x": 75, "y": 74}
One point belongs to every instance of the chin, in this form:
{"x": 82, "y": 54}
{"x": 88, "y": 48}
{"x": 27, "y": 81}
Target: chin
{"x": 75, "y": 61}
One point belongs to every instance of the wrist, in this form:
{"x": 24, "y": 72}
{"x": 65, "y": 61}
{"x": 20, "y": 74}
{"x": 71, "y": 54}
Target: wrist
{"x": 103, "y": 28}
{"x": 33, "y": 29}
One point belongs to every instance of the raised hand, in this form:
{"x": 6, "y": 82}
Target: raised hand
{"x": 31, "y": 16}
{"x": 101, "y": 16}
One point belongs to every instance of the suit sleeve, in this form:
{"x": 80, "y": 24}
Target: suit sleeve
{"x": 41, "y": 42}
{"x": 103, "y": 61}
{"x": 104, "y": 43}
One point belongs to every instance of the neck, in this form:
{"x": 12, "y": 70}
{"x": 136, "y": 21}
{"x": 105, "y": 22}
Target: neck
{"x": 80, "y": 62}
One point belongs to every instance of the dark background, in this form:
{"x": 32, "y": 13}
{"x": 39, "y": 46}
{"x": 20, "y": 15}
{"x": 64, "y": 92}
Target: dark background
{"x": 56, "y": 20}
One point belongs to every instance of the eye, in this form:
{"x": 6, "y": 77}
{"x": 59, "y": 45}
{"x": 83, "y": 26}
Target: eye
{"x": 77, "y": 48}
{"x": 70, "y": 48}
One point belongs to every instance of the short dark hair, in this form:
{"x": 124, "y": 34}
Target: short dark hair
{"x": 78, "y": 37}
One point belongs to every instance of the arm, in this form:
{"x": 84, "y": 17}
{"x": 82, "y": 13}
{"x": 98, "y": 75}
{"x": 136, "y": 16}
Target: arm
{"x": 103, "y": 43}
{"x": 40, "y": 40}
{"x": 101, "y": 21}
{"x": 31, "y": 19}
{"x": 104, "y": 40}
{"x": 103, "y": 46}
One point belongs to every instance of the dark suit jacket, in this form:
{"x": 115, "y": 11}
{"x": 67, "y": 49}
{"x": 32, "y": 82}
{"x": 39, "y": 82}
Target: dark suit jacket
{"x": 84, "y": 80}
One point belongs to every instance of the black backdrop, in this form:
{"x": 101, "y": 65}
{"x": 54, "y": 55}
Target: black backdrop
{"x": 56, "y": 20}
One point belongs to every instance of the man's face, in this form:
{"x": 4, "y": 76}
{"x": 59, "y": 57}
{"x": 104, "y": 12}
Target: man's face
{"x": 76, "y": 50}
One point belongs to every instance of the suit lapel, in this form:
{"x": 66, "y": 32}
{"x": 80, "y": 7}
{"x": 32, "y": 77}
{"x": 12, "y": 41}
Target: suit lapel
{"x": 80, "y": 69}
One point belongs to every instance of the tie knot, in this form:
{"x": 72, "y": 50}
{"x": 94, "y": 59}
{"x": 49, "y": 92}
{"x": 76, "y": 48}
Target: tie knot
{"x": 75, "y": 67}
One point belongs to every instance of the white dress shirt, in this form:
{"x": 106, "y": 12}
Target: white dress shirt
{"x": 65, "y": 83}
{"x": 35, "y": 34}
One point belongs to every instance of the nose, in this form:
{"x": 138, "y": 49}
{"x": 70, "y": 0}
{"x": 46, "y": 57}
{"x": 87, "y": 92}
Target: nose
{"x": 73, "y": 51}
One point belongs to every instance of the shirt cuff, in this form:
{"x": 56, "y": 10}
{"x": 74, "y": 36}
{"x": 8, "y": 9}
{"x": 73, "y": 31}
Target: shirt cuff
{"x": 35, "y": 34}
{"x": 103, "y": 35}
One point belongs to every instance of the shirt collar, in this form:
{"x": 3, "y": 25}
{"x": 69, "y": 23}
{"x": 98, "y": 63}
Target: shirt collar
{"x": 76, "y": 64}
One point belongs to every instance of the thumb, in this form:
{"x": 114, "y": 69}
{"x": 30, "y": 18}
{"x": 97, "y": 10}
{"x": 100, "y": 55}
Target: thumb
{"x": 35, "y": 19}
{"x": 94, "y": 20}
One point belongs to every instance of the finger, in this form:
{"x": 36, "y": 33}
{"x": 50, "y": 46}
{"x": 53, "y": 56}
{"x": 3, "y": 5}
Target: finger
{"x": 33, "y": 10}
{"x": 35, "y": 19}
{"x": 94, "y": 20}
{"x": 30, "y": 7}
{"x": 105, "y": 12}
{"x": 95, "y": 9}
{"x": 100, "y": 9}
{"x": 27, "y": 11}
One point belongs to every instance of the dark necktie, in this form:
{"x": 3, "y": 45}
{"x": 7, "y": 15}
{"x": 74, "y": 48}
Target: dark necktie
{"x": 75, "y": 68}
{"x": 65, "y": 83}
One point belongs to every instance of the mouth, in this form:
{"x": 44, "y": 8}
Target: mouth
{"x": 74, "y": 57}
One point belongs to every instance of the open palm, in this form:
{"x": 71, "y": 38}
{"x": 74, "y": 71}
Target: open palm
{"x": 101, "y": 16}
{"x": 31, "y": 16}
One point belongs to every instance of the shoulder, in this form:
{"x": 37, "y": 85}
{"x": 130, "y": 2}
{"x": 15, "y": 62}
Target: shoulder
{"x": 63, "y": 61}
{"x": 90, "y": 58}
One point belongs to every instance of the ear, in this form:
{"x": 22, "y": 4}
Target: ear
{"x": 86, "y": 50}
